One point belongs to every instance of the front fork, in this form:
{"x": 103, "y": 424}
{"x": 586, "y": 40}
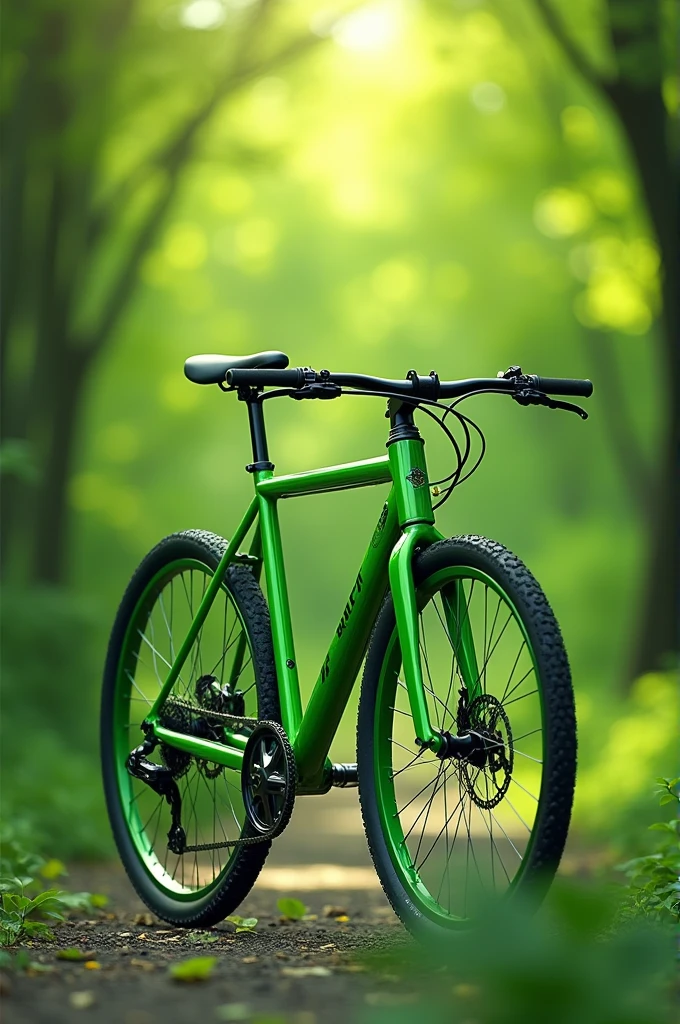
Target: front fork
{"x": 417, "y": 521}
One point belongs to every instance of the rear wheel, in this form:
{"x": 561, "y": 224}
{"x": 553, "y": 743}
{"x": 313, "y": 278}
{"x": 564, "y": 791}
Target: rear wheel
{"x": 230, "y": 668}
{"x": 449, "y": 834}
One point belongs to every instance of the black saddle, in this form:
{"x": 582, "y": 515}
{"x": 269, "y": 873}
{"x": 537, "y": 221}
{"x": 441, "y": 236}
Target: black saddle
{"x": 210, "y": 369}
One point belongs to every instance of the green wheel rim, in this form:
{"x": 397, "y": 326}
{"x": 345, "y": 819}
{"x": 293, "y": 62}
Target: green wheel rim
{"x": 422, "y": 801}
{"x": 156, "y": 627}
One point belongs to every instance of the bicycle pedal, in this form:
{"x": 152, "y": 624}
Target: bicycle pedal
{"x": 344, "y": 776}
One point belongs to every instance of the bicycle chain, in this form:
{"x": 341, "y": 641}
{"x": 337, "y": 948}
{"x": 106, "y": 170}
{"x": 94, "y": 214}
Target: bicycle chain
{"x": 195, "y": 709}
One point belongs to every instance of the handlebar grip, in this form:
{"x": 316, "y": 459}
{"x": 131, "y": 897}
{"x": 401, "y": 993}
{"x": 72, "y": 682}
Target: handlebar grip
{"x": 294, "y": 378}
{"x": 564, "y": 386}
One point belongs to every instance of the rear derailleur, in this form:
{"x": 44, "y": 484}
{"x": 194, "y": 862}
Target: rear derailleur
{"x": 159, "y": 778}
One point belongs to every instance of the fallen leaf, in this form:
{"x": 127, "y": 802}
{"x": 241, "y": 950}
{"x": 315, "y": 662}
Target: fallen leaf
{"x": 330, "y": 911}
{"x": 142, "y": 935}
{"x": 292, "y": 909}
{"x": 164, "y": 931}
{"x": 342, "y": 918}
{"x": 92, "y": 965}
{"x": 144, "y": 918}
{"x": 146, "y": 965}
{"x": 311, "y": 917}
{"x": 249, "y": 959}
{"x": 74, "y": 954}
{"x": 329, "y": 945}
{"x": 233, "y": 1011}
{"x": 198, "y": 968}
{"x": 124, "y": 935}
{"x": 281, "y": 956}
{"x": 306, "y": 972}
{"x": 242, "y": 924}
{"x": 81, "y": 1000}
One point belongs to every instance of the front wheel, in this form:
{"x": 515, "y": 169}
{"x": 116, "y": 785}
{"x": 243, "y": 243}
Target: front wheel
{"x": 449, "y": 834}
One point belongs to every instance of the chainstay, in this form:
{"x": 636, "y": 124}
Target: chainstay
{"x": 196, "y": 709}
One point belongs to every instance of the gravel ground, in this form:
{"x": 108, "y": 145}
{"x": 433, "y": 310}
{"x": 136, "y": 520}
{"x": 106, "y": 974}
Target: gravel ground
{"x": 303, "y": 972}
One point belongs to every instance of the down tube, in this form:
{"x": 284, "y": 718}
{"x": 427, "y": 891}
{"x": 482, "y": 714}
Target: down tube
{"x": 343, "y": 661}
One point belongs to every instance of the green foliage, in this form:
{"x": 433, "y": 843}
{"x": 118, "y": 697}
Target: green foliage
{"x": 23, "y": 900}
{"x": 48, "y": 755}
{"x": 198, "y": 968}
{"x": 654, "y": 879}
{"x": 293, "y": 909}
{"x": 21, "y": 961}
{"x": 18, "y": 912}
{"x": 564, "y": 964}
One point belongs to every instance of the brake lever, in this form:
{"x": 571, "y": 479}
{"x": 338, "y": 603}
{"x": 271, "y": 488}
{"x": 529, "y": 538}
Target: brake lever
{"x": 529, "y": 396}
{"x": 323, "y": 390}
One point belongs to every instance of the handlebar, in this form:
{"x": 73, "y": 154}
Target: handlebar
{"x": 414, "y": 386}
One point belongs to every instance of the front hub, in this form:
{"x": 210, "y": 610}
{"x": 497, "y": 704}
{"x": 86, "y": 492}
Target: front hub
{"x": 483, "y": 747}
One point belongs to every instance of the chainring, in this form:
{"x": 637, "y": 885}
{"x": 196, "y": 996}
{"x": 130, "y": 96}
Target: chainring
{"x": 268, "y": 779}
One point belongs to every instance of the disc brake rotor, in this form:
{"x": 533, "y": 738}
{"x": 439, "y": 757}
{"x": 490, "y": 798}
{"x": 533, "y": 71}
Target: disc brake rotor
{"x": 485, "y": 717}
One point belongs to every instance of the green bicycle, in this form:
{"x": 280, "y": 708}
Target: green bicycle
{"x": 466, "y": 738}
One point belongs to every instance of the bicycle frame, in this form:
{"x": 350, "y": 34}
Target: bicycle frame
{"x": 406, "y": 523}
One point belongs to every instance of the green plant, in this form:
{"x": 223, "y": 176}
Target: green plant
{"x": 17, "y": 908}
{"x": 654, "y": 879}
{"x": 23, "y": 900}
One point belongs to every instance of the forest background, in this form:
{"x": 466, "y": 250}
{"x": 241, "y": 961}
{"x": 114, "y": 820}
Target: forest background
{"x": 457, "y": 186}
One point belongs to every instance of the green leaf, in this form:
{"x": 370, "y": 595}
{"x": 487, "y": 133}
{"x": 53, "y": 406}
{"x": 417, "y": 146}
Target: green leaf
{"x": 38, "y": 929}
{"x": 233, "y": 1011}
{"x": 198, "y": 968}
{"x": 73, "y": 953}
{"x": 99, "y": 900}
{"x": 293, "y": 909}
{"x": 53, "y": 869}
{"x": 77, "y": 900}
{"x": 242, "y": 924}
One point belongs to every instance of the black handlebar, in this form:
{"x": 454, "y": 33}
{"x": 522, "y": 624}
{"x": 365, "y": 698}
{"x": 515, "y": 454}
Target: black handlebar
{"x": 564, "y": 386}
{"x": 414, "y": 386}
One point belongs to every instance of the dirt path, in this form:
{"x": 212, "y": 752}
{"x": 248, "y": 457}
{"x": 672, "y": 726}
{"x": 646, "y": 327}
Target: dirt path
{"x": 304, "y": 972}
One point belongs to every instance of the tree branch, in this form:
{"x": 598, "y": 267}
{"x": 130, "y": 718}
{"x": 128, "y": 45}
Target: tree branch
{"x": 554, "y": 25}
{"x": 234, "y": 80}
{"x": 172, "y": 157}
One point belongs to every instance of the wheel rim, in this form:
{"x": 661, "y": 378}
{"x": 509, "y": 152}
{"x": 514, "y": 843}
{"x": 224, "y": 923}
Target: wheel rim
{"x": 458, "y": 834}
{"x": 212, "y": 805}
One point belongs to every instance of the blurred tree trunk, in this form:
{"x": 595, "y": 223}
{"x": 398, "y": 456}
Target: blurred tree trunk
{"x": 635, "y": 92}
{"x": 54, "y": 229}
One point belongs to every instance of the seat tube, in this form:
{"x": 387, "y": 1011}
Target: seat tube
{"x": 416, "y": 519}
{"x": 275, "y": 575}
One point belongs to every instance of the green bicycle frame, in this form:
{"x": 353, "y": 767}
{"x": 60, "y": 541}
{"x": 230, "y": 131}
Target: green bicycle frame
{"x": 406, "y": 524}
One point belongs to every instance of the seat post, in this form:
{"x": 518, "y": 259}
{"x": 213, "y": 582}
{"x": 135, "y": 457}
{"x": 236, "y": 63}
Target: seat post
{"x": 258, "y": 434}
